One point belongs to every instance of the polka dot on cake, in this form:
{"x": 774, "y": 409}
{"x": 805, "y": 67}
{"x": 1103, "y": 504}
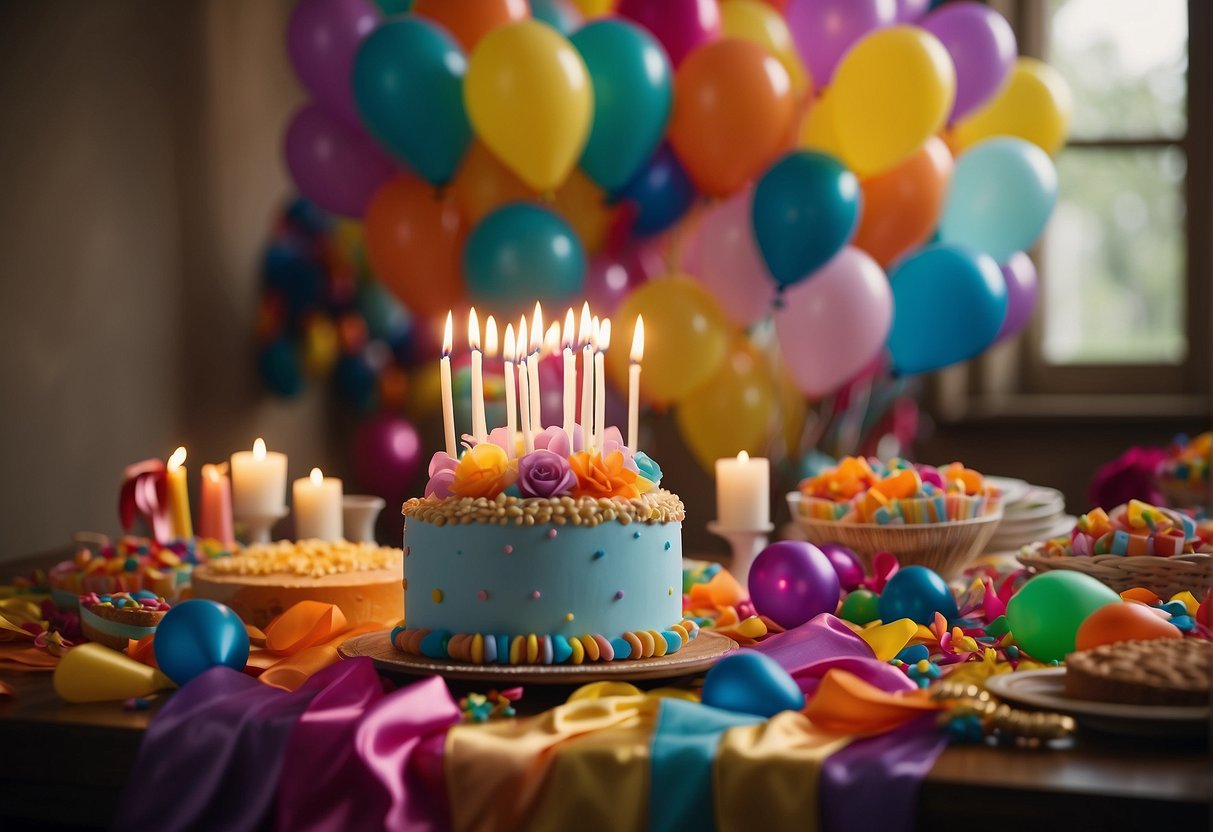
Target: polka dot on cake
{"x": 600, "y": 553}
{"x": 635, "y": 535}
{"x": 436, "y": 596}
{"x": 668, "y": 545}
{"x": 508, "y": 549}
{"x": 551, "y": 534}
{"x": 619, "y": 595}
{"x": 482, "y": 595}
{"x": 534, "y": 595}
{"x": 568, "y": 616}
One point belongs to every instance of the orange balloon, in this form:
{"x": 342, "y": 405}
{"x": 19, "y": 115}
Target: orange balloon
{"x": 733, "y": 113}
{"x": 901, "y": 206}
{"x": 470, "y": 20}
{"x": 1129, "y": 621}
{"x": 583, "y": 205}
{"x": 483, "y": 184}
{"x": 414, "y": 240}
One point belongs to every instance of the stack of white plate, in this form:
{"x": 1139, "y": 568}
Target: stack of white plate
{"x": 1029, "y": 513}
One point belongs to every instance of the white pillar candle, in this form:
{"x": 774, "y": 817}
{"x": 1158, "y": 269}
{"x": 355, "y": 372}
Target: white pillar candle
{"x": 258, "y": 481}
{"x": 532, "y": 366}
{"x": 570, "y": 378}
{"x": 743, "y": 492}
{"x": 479, "y": 430}
{"x": 604, "y": 343}
{"x": 524, "y": 389}
{"x": 634, "y": 383}
{"x": 448, "y": 402}
{"x": 585, "y": 334}
{"x": 318, "y": 512}
{"x": 511, "y": 415}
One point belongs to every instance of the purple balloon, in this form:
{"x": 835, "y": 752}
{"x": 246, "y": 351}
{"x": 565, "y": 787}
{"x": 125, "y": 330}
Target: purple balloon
{"x": 982, "y": 46}
{"x": 1020, "y": 274}
{"x": 823, "y": 30}
{"x": 322, "y": 38}
{"x": 910, "y": 10}
{"x": 680, "y": 25}
{"x": 387, "y": 456}
{"x": 791, "y": 581}
{"x": 609, "y": 278}
{"x": 334, "y": 165}
{"x": 846, "y": 563}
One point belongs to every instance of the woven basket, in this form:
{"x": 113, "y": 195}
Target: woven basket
{"x": 1164, "y": 577}
{"x": 947, "y": 548}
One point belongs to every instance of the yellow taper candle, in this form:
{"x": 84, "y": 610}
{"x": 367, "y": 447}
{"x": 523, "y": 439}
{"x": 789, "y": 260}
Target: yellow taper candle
{"x": 179, "y": 496}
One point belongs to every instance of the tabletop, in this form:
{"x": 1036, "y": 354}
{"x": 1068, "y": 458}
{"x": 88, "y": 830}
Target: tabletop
{"x": 63, "y": 766}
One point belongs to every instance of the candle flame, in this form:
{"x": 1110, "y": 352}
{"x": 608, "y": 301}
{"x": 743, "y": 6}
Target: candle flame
{"x": 177, "y": 459}
{"x": 537, "y": 329}
{"x": 638, "y": 340}
{"x": 743, "y": 457}
{"x": 521, "y": 345}
{"x": 551, "y": 341}
{"x": 259, "y": 449}
{"x": 584, "y": 331}
{"x": 317, "y": 477}
{"x": 447, "y": 336}
{"x": 490, "y": 337}
{"x": 567, "y": 340}
{"x": 473, "y": 329}
{"x": 604, "y": 336}
{"x": 214, "y": 472}
{"x": 510, "y": 351}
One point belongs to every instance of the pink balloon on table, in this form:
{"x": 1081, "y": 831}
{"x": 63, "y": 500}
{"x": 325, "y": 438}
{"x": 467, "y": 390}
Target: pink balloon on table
{"x": 333, "y": 164}
{"x": 387, "y": 456}
{"x": 823, "y": 30}
{"x": 983, "y": 49}
{"x": 727, "y": 261}
{"x": 834, "y": 324}
{"x": 1022, "y": 288}
{"x": 680, "y": 25}
{"x": 322, "y": 38}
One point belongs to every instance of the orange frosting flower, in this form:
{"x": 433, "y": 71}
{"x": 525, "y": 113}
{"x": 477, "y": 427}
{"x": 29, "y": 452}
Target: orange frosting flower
{"x": 603, "y": 477}
{"x": 484, "y": 471}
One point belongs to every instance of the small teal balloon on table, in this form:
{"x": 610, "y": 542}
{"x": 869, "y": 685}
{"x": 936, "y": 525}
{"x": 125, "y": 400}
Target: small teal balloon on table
{"x": 916, "y": 593}
{"x": 195, "y": 636}
{"x": 749, "y": 682}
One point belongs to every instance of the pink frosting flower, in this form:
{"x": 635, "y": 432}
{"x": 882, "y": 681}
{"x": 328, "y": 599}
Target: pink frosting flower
{"x": 545, "y": 474}
{"x": 442, "y": 474}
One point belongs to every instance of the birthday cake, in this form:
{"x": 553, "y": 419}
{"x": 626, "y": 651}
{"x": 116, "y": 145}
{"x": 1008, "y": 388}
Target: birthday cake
{"x": 263, "y": 581}
{"x": 554, "y": 557}
{"x": 114, "y": 620}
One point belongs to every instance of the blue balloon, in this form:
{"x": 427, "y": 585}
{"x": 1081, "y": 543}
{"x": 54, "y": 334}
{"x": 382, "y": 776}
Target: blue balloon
{"x": 195, "y": 636}
{"x": 948, "y": 305}
{"x": 749, "y": 682}
{"x": 408, "y": 86}
{"x": 1000, "y": 197}
{"x": 290, "y": 270}
{"x": 279, "y": 367}
{"x": 805, "y": 210}
{"x": 661, "y": 193}
{"x": 633, "y": 95}
{"x": 561, "y": 15}
{"x": 520, "y": 253}
{"x": 357, "y": 381}
{"x": 916, "y": 593}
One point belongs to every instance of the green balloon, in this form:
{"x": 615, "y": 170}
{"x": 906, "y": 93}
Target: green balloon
{"x": 1046, "y": 612}
{"x": 860, "y": 607}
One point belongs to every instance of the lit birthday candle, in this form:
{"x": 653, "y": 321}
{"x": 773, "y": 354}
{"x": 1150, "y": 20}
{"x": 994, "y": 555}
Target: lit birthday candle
{"x": 604, "y": 343}
{"x": 524, "y": 386}
{"x": 570, "y": 378}
{"x": 448, "y": 403}
{"x": 637, "y": 356}
{"x": 533, "y": 368}
{"x": 479, "y": 430}
{"x": 585, "y": 334}
{"x": 317, "y": 500}
{"x": 258, "y": 481}
{"x": 179, "y": 496}
{"x": 215, "y": 508}
{"x": 511, "y": 416}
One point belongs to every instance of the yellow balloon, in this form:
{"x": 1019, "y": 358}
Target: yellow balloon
{"x": 817, "y": 129}
{"x": 756, "y": 21}
{"x": 529, "y": 98}
{"x": 583, "y": 204}
{"x": 892, "y": 92}
{"x": 735, "y": 410}
{"x": 595, "y": 8}
{"x": 1034, "y": 104}
{"x": 686, "y": 336}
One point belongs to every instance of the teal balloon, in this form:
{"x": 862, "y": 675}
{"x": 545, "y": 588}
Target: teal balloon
{"x": 408, "y": 87}
{"x": 1000, "y": 197}
{"x": 751, "y": 683}
{"x": 195, "y": 636}
{"x": 1047, "y": 611}
{"x": 948, "y": 305}
{"x": 633, "y": 95}
{"x": 561, "y": 15}
{"x": 390, "y": 7}
{"x": 521, "y": 253}
{"x": 805, "y": 210}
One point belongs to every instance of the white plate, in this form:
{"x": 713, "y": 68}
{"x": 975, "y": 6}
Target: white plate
{"x": 1013, "y": 490}
{"x": 1046, "y": 689}
{"x": 1040, "y": 502}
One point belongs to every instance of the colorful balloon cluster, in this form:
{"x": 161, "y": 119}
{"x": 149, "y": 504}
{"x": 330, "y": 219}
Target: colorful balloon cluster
{"x": 867, "y": 174}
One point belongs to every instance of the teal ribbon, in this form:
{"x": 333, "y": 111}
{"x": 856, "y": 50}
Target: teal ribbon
{"x": 113, "y": 628}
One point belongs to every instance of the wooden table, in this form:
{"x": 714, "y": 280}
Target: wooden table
{"x": 63, "y": 766}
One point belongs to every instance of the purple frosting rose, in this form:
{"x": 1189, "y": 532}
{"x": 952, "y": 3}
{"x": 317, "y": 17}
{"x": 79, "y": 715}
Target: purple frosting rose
{"x": 544, "y": 474}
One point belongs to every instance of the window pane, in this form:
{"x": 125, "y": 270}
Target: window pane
{"x": 1114, "y": 259}
{"x": 1125, "y": 62}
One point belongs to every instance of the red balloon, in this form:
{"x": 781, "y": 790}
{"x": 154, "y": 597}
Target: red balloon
{"x": 680, "y": 25}
{"x": 387, "y": 456}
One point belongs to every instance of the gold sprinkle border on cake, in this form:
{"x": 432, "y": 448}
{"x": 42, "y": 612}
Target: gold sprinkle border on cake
{"x": 658, "y": 506}
{"x": 308, "y": 559}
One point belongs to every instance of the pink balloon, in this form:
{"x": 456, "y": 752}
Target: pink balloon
{"x": 910, "y": 10}
{"x": 609, "y": 278}
{"x": 334, "y": 165}
{"x": 322, "y": 38}
{"x": 725, "y": 258}
{"x": 387, "y": 456}
{"x": 680, "y": 25}
{"x": 832, "y": 326}
{"x": 1020, "y": 274}
{"x": 823, "y": 30}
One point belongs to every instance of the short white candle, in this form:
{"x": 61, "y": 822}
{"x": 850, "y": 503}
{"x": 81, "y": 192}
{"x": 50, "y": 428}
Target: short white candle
{"x": 570, "y": 378}
{"x": 743, "y": 492}
{"x": 479, "y": 430}
{"x": 585, "y": 334}
{"x": 317, "y": 500}
{"x": 524, "y": 389}
{"x": 604, "y": 343}
{"x": 511, "y": 406}
{"x": 258, "y": 482}
{"x": 637, "y": 356}
{"x": 448, "y": 402}
{"x": 532, "y": 366}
